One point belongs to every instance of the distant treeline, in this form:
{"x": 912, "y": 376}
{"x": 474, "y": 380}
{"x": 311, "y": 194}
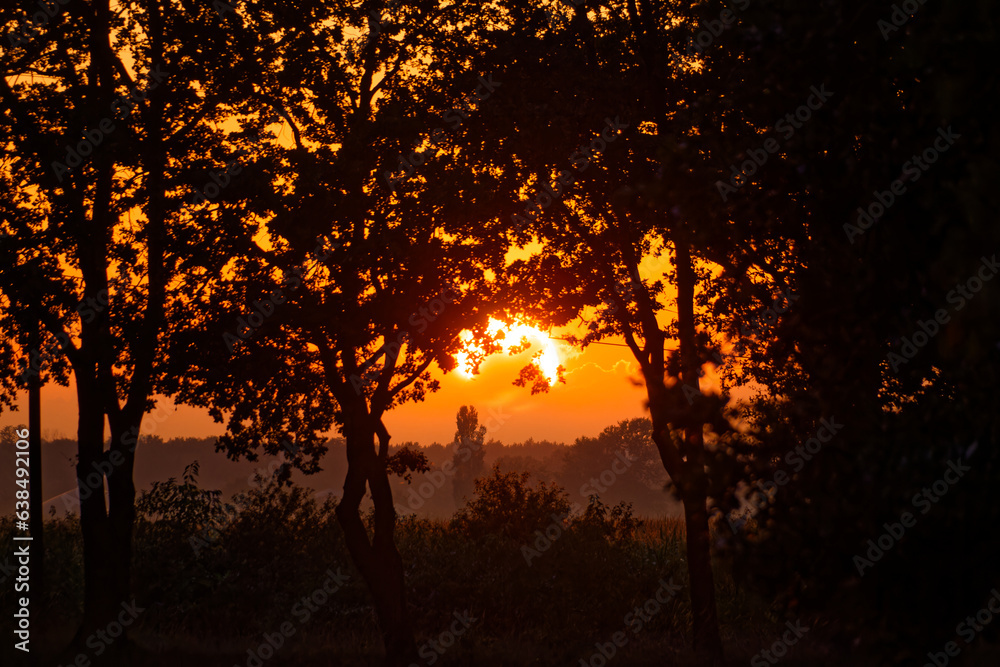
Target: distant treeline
{"x": 619, "y": 465}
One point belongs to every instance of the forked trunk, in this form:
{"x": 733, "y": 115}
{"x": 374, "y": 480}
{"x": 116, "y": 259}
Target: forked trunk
{"x": 121, "y": 511}
{"x": 107, "y": 534}
{"x": 378, "y": 560}
{"x": 98, "y": 566}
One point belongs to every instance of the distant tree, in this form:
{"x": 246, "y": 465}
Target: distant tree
{"x": 8, "y": 435}
{"x": 470, "y": 453}
{"x": 541, "y": 469}
{"x": 436, "y": 453}
{"x": 621, "y": 463}
{"x": 541, "y": 450}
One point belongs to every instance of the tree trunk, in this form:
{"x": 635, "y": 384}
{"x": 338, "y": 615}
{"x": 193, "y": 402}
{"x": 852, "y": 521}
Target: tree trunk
{"x": 36, "y": 506}
{"x": 378, "y": 560}
{"x": 691, "y": 481}
{"x": 707, "y": 643}
{"x": 121, "y": 509}
{"x": 99, "y": 603}
{"x": 694, "y": 484}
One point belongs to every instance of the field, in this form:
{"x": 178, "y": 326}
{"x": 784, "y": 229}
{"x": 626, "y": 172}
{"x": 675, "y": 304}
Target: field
{"x": 214, "y": 583}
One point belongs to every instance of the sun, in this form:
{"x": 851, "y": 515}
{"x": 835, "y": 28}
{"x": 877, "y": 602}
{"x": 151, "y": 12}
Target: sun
{"x": 512, "y": 336}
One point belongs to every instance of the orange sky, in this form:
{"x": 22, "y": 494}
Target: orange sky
{"x": 598, "y": 392}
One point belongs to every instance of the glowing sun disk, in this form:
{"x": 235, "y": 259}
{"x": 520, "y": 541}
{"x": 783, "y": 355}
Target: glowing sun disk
{"x": 511, "y": 336}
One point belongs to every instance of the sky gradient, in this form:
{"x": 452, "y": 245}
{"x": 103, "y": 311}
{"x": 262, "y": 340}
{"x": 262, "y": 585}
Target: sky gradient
{"x": 599, "y": 391}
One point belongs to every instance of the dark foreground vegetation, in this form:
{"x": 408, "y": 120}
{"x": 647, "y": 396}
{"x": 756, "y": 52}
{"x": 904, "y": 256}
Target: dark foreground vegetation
{"x": 216, "y": 579}
{"x": 219, "y": 583}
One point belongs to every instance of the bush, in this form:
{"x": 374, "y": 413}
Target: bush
{"x": 506, "y": 505}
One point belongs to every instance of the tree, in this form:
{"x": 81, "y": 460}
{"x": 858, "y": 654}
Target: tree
{"x": 509, "y": 506}
{"x": 616, "y": 166}
{"x": 470, "y": 455}
{"x": 108, "y": 124}
{"x": 619, "y": 464}
{"x": 363, "y": 276}
{"x": 8, "y": 435}
{"x": 874, "y": 269}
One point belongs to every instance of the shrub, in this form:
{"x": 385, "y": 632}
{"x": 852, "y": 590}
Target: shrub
{"x": 506, "y": 505}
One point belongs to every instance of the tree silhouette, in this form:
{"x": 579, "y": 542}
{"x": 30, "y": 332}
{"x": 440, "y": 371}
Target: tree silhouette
{"x": 288, "y": 213}
{"x": 864, "y": 288}
{"x": 470, "y": 454}
{"x": 108, "y": 122}
{"x": 615, "y": 140}
{"x": 363, "y": 275}
{"x": 620, "y": 463}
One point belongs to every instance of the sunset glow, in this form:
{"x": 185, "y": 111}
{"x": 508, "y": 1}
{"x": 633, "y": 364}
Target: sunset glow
{"x": 512, "y": 337}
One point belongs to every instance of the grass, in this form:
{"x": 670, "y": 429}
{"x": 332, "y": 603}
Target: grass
{"x": 211, "y": 605}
